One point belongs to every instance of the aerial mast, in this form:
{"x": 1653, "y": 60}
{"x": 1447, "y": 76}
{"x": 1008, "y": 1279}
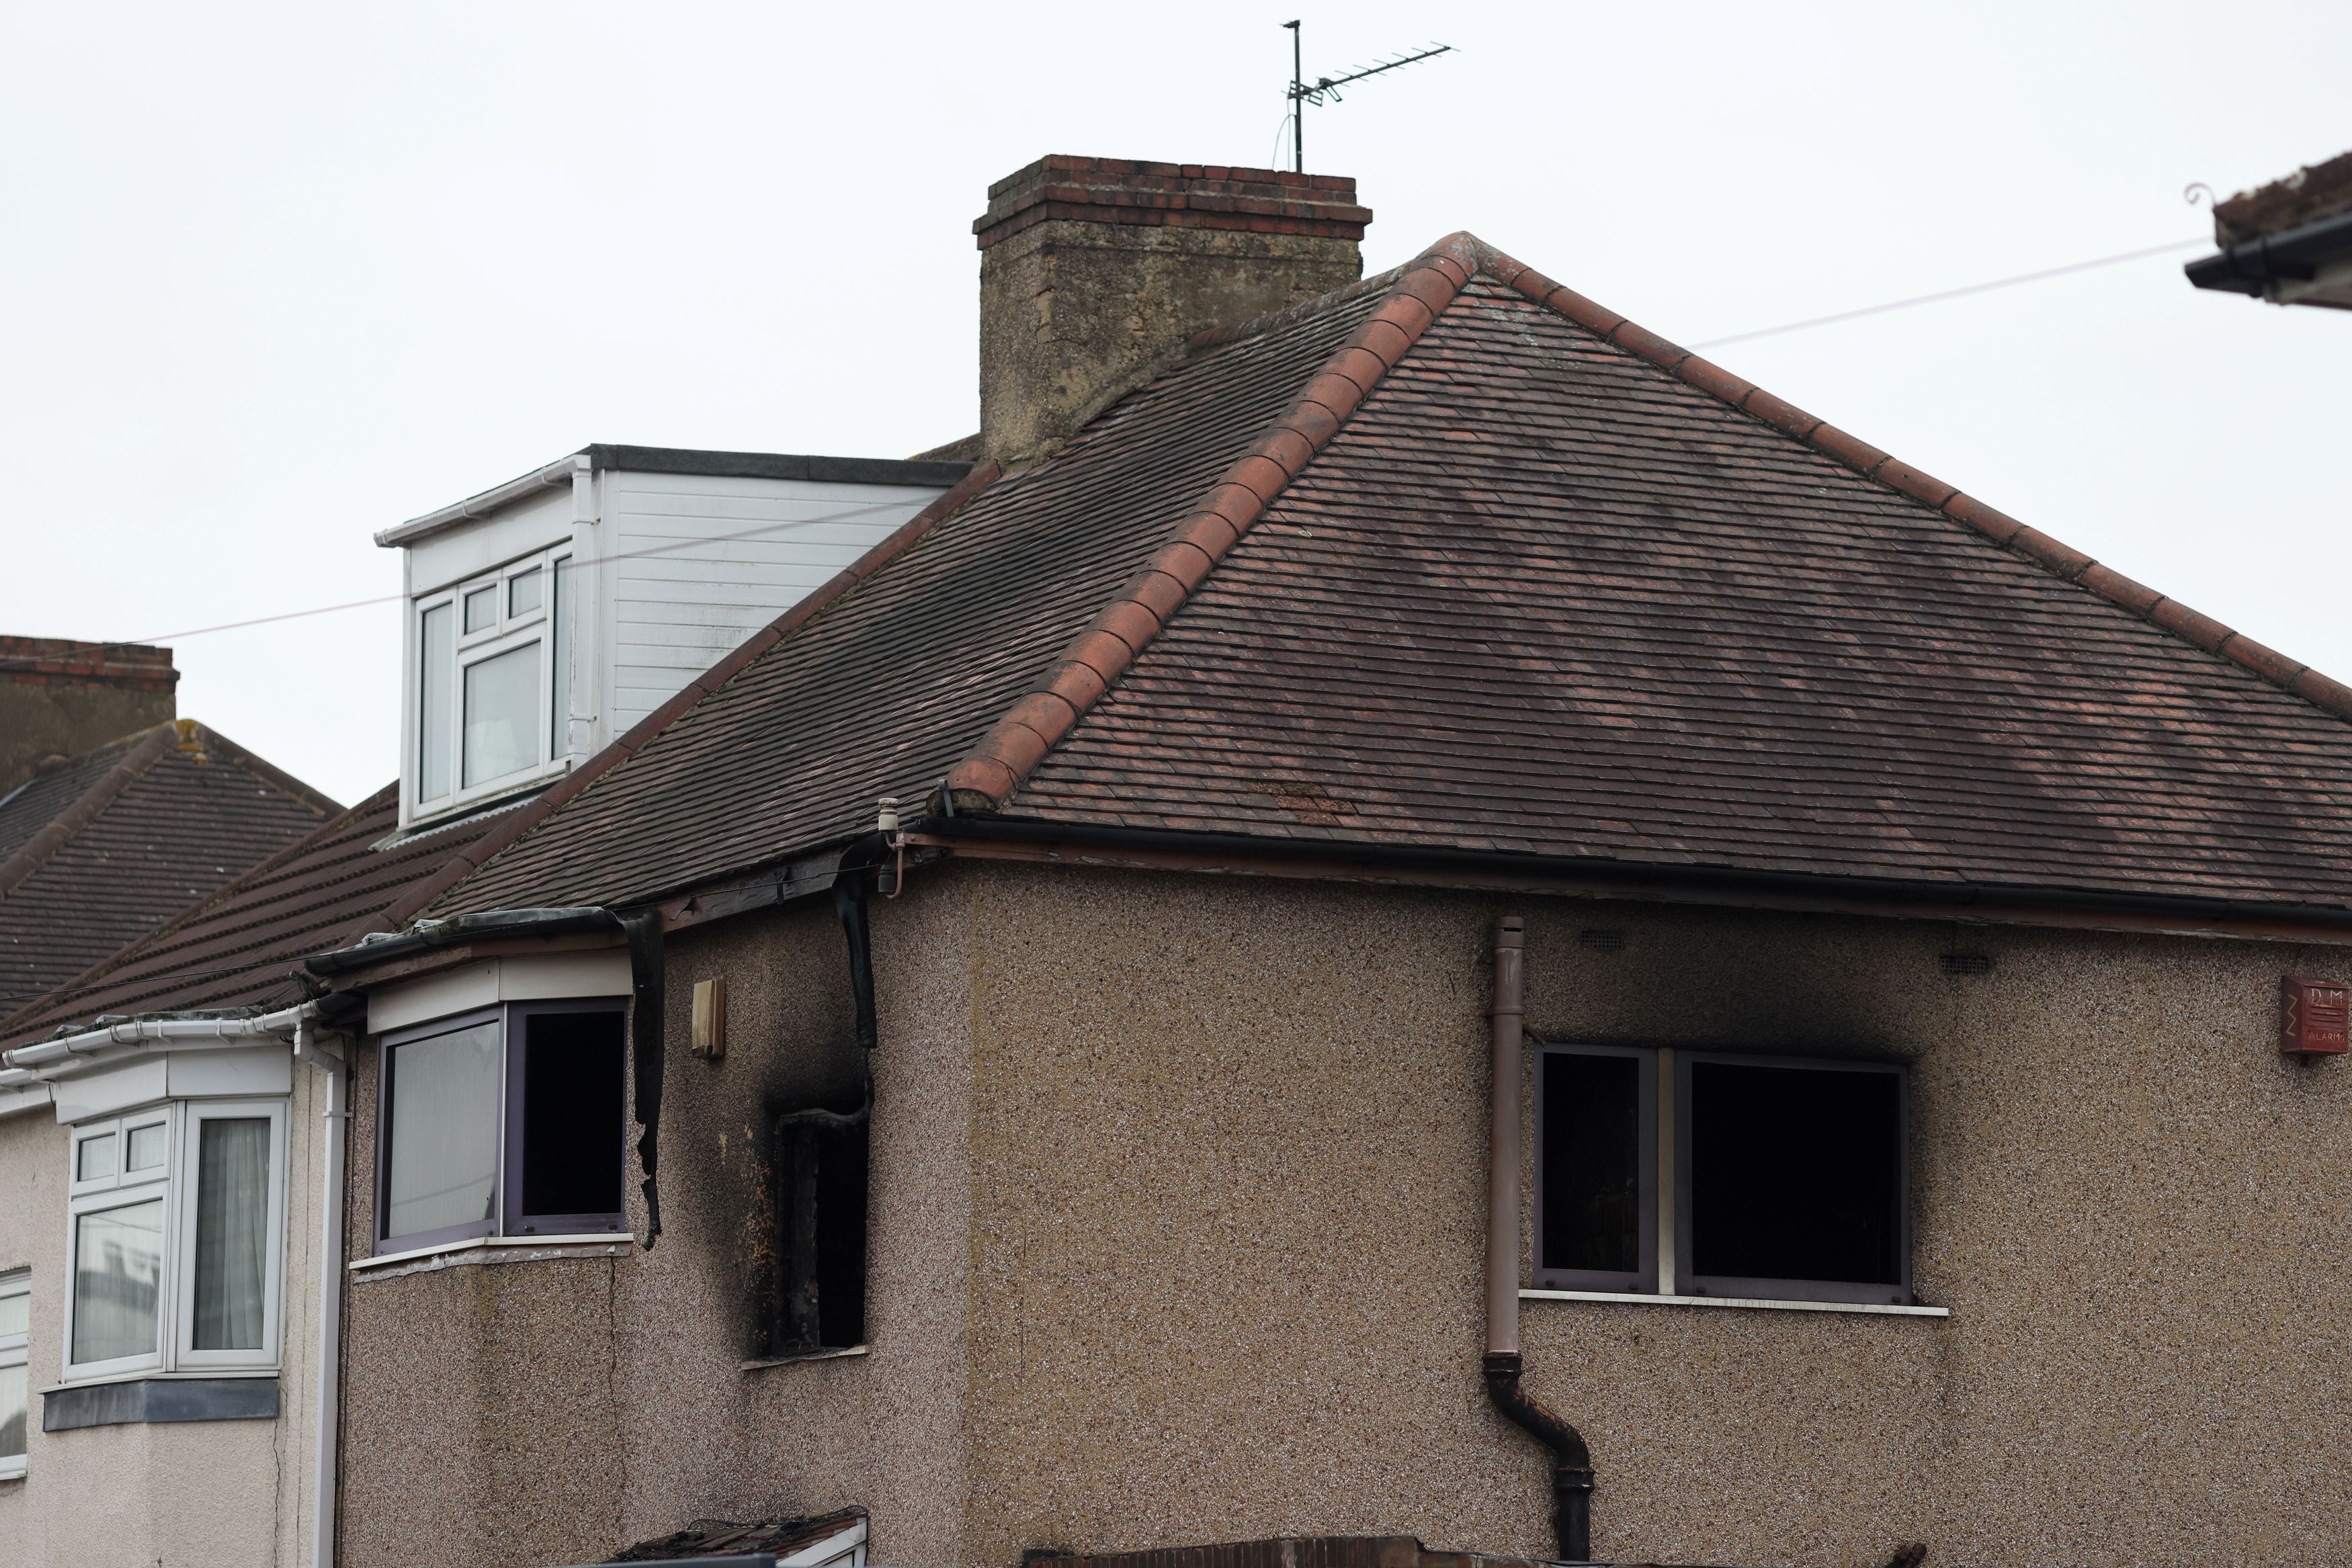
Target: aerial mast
{"x": 1304, "y": 93}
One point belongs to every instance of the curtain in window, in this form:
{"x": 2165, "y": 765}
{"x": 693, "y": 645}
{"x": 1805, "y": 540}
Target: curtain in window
{"x": 12, "y": 1412}
{"x": 118, "y": 1281}
{"x": 232, "y": 1221}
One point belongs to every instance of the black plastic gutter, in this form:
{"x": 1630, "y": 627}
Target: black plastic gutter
{"x": 2290, "y": 256}
{"x": 427, "y": 934}
{"x": 2003, "y": 902}
{"x": 776, "y": 466}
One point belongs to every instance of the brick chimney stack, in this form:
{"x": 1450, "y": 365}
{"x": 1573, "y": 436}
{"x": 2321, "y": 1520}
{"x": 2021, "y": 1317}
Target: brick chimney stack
{"x": 1091, "y": 267}
{"x": 61, "y": 698}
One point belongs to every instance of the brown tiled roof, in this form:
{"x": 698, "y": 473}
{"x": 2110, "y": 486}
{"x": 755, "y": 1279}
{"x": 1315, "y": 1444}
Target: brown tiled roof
{"x": 101, "y": 850}
{"x": 1460, "y": 560}
{"x": 239, "y": 946}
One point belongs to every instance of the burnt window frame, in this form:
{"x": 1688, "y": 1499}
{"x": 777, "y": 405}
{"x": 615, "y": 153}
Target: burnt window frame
{"x": 1643, "y": 1279}
{"x": 507, "y": 1180}
{"x": 515, "y": 1131}
{"x": 1690, "y": 1283}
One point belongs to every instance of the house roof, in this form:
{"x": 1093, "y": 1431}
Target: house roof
{"x": 1459, "y": 560}
{"x": 240, "y": 947}
{"x": 102, "y": 849}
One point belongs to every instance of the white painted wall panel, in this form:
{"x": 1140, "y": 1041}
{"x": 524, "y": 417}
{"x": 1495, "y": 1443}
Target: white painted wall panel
{"x": 696, "y": 564}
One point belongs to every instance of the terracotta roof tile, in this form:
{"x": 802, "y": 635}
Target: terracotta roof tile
{"x": 1532, "y": 580}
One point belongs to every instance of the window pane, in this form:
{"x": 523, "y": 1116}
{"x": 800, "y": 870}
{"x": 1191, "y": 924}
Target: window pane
{"x": 143, "y": 1147}
{"x": 559, "y": 641}
{"x": 481, "y": 610}
{"x": 523, "y": 591}
{"x": 502, "y": 714}
{"x": 12, "y": 1412}
{"x": 445, "y": 1132}
{"x": 436, "y": 674}
{"x": 1795, "y": 1174}
{"x": 232, "y": 1226}
{"x": 572, "y": 1132}
{"x": 1592, "y": 1170}
{"x": 118, "y": 1271}
{"x": 94, "y": 1159}
{"x": 16, "y": 1314}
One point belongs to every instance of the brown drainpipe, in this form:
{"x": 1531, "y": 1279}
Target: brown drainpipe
{"x": 1571, "y": 1479}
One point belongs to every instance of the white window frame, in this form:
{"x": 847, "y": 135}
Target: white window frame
{"x": 174, "y": 1181}
{"x": 14, "y": 1350}
{"x": 507, "y": 633}
{"x": 194, "y": 1114}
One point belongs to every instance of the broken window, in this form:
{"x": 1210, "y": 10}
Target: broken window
{"x": 454, "y": 1169}
{"x": 1765, "y": 1177}
{"x": 820, "y": 1225}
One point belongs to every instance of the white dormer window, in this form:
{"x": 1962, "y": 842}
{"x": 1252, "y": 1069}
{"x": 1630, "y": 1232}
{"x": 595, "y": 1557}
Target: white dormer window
{"x": 493, "y": 667}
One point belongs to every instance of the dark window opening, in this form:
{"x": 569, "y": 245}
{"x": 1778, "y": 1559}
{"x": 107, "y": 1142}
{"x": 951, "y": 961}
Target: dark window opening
{"x": 1597, "y": 1193}
{"x": 821, "y": 1215}
{"x": 1796, "y": 1174}
{"x": 570, "y": 1066}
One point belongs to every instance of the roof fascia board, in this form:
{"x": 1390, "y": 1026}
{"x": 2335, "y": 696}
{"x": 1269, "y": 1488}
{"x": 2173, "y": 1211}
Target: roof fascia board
{"x": 467, "y": 860}
{"x": 604, "y": 456}
{"x": 1105, "y": 847}
{"x": 1099, "y": 655}
{"x": 2061, "y": 560}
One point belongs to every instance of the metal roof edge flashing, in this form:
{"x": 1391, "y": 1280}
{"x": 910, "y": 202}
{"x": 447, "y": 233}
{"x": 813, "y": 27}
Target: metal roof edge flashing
{"x": 425, "y": 934}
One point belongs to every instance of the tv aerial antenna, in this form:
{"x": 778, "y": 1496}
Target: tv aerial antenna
{"x": 1304, "y": 93}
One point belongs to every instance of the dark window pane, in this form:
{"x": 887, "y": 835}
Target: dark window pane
{"x": 841, "y": 1237}
{"x": 572, "y": 1133}
{"x": 1795, "y": 1174}
{"x": 1592, "y": 1163}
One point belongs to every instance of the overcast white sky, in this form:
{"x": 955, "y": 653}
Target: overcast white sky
{"x": 274, "y": 277}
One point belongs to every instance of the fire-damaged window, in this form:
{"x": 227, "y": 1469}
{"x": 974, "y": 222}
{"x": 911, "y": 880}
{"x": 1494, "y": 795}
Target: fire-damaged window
{"x": 1765, "y": 1177}
{"x": 820, "y": 1224}
{"x": 506, "y": 1121}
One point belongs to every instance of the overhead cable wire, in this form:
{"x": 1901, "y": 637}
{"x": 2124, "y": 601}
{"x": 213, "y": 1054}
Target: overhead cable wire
{"x": 1950, "y": 294}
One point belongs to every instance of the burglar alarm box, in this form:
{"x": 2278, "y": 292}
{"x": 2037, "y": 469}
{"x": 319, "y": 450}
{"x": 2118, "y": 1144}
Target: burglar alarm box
{"x": 2315, "y": 1016}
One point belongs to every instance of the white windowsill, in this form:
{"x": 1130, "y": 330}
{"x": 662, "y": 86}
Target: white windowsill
{"x": 615, "y": 1239}
{"x": 12, "y": 1469}
{"x": 157, "y": 1374}
{"x": 1627, "y": 1298}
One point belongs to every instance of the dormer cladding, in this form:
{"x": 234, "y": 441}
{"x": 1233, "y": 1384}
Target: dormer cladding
{"x": 548, "y": 615}
{"x": 1092, "y": 268}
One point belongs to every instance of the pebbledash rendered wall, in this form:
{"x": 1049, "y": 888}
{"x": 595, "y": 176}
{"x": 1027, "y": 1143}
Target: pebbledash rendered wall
{"x": 199, "y": 1494}
{"x": 1177, "y": 1196}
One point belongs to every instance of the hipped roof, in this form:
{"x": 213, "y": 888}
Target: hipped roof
{"x": 1460, "y": 560}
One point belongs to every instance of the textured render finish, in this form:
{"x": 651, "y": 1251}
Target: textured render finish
{"x": 1178, "y": 1198}
{"x": 1069, "y": 310}
{"x": 552, "y": 1411}
{"x": 205, "y": 1494}
{"x": 1229, "y": 1143}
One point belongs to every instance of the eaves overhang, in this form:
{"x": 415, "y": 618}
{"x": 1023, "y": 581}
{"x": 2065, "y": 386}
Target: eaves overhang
{"x": 599, "y": 456}
{"x": 2310, "y": 264}
{"x": 1103, "y": 847}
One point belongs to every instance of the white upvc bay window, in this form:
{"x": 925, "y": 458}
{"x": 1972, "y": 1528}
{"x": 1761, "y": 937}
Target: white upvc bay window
{"x": 493, "y": 698}
{"x": 176, "y": 1235}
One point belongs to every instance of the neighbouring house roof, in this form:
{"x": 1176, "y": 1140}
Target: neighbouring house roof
{"x": 102, "y": 849}
{"x": 239, "y": 947}
{"x": 1459, "y": 560}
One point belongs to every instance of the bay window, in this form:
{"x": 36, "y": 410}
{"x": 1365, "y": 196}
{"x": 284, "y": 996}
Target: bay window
{"x": 506, "y": 1122}
{"x": 175, "y": 1238}
{"x": 492, "y": 701}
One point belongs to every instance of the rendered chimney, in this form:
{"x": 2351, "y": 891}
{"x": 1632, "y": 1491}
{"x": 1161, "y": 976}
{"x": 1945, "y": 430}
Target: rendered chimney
{"x": 1092, "y": 267}
{"x": 60, "y": 699}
